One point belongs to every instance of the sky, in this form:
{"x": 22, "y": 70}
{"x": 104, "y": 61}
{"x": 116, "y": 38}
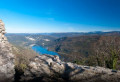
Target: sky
{"x": 45, "y": 16}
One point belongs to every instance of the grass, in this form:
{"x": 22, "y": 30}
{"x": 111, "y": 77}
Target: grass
{"x": 22, "y": 56}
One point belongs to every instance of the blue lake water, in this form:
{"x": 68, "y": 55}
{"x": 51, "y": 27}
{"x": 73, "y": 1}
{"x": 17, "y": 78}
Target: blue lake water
{"x": 40, "y": 50}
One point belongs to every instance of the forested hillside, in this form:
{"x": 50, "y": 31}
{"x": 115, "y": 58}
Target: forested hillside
{"x": 101, "y": 50}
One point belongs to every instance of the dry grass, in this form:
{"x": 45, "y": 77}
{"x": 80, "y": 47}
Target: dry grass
{"x": 22, "y": 56}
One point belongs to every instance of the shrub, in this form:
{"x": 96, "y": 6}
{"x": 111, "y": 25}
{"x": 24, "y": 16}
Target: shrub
{"x": 22, "y": 57}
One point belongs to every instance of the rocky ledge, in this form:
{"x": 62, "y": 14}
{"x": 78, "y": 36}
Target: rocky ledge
{"x": 6, "y": 57}
{"x": 51, "y": 68}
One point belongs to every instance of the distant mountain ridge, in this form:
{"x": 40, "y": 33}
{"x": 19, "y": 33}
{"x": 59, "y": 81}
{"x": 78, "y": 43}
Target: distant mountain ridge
{"x": 58, "y": 35}
{"x": 49, "y": 39}
{"x": 91, "y": 32}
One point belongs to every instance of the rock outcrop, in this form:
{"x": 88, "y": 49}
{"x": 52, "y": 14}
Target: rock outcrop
{"x": 6, "y": 57}
{"x": 51, "y": 68}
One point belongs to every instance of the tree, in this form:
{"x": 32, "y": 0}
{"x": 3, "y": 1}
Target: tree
{"x": 107, "y": 51}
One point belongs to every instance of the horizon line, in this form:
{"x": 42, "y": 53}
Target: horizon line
{"x": 62, "y": 32}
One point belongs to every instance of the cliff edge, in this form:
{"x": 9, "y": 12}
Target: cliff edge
{"x": 48, "y": 68}
{"x": 6, "y": 57}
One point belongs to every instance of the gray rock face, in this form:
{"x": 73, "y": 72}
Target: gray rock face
{"x": 52, "y": 66}
{"x": 6, "y": 57}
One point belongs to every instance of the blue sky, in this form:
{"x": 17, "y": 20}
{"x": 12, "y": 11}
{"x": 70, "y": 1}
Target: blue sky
{"x": 36, "y": 16}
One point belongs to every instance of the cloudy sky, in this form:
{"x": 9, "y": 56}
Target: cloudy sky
{"x": 36, "y": 16}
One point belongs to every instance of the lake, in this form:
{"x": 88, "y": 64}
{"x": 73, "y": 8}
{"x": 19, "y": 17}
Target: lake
{"x": 40, "y": 50}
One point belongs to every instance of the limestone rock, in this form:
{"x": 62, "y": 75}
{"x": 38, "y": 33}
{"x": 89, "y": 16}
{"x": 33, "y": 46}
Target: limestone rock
{"x": 6, "y": 58}
{"x": 48, "y": 65}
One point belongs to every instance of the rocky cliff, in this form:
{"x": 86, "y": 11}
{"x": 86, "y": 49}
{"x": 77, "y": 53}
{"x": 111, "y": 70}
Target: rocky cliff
{"x": 6, "y": 57}
{"x": 48, "y": 68}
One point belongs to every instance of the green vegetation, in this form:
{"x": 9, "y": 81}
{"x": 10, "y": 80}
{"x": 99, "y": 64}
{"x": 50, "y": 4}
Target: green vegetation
{"x": 112, "y": 62}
